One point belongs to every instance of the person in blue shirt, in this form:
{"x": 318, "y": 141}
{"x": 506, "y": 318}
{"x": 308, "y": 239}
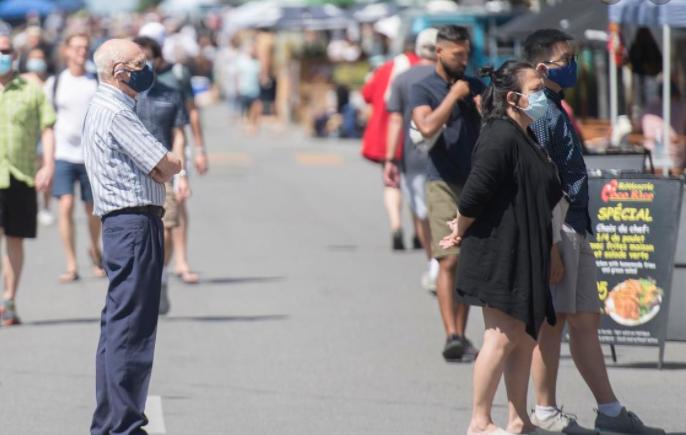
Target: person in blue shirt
{"x": 445, "y": 104}
{"x": 573, "y": 268}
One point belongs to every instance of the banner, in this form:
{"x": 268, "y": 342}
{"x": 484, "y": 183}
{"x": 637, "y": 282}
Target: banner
{"x": 635, "y": 221}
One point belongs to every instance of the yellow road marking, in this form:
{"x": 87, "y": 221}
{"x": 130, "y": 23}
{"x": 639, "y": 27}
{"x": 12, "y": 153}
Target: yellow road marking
{"x": 231, "y": 159}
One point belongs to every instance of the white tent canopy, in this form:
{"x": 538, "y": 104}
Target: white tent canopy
{"x": 645, "y": 13}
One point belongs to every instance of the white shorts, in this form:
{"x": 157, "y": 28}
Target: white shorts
{"x": 413, "y": 185}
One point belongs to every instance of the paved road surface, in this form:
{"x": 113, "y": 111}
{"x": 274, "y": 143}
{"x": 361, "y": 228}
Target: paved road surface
{"x": 304, "y": 323}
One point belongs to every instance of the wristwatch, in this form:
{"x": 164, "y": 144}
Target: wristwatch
{"x": 394, "y": 161}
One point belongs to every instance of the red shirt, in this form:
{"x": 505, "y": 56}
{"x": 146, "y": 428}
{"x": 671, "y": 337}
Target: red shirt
{"x": 374, "y": 93}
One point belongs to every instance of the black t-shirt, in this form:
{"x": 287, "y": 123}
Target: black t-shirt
{"x": 450, "y": 159}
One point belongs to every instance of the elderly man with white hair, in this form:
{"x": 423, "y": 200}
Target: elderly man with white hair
{"x": 127, "y": 168}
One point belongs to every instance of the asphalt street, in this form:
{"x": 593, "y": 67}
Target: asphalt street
{"x": 304, "y": 322}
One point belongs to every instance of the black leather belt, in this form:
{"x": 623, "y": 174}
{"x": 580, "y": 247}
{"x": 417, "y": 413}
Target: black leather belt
{"x": 154, "y": 210}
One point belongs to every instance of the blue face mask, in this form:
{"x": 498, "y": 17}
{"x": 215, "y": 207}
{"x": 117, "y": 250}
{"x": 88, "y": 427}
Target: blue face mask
{"x": 5, "y": 63}
{"x": 538, "y": 105}
{"x": 140, "y": 81}
{"x": 565, "y": 76}
{"x": 36, "y": 65}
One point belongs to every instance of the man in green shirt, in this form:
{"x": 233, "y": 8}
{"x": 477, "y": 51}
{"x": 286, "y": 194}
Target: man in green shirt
{"x": 25, "y": 112}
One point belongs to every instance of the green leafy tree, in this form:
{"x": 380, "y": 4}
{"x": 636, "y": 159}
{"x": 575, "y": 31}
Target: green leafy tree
{"x": 144, "y": 5}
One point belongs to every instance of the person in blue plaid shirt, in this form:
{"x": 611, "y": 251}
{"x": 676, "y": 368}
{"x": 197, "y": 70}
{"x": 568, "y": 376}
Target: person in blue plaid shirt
{"x": 573, "y": 268}
{"x": 162, "y": 110}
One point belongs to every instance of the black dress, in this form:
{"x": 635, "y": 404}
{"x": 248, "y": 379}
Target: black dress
{"x": 505, "y": 256}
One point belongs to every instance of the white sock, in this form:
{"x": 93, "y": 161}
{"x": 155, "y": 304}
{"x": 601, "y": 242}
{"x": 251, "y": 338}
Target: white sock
{"x": 610, "y": 409}
{"x": 164, "y": 276}
{"x": 433, "y": 268}
{"x": 545, "y": 412}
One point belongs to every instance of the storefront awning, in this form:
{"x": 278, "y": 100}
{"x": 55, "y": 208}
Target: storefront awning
{"x": 645, "y": 13}
{"x": 582, "y": 19}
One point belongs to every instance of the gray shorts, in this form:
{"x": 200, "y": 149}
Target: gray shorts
{"x": 578, "y": 291}
{"x": 413, "y": 185}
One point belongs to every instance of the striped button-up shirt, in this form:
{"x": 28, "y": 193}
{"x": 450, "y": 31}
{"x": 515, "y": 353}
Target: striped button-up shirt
{"x": 24, "y": 113}
{"x": 120, "y": 153}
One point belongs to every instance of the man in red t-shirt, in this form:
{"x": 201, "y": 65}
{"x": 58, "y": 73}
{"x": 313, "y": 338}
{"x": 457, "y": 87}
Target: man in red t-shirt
{"x": 376, "y": 93}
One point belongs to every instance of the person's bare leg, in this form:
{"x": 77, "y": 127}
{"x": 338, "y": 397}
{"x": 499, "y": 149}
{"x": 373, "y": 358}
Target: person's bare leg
{"x": 14, "y": 264}
{"x": 168, "y": 246}
{"x": 180, "y": 243}
{"x": 393, "y": 199}
{"x": 546, "y": 361}
{"x": 445, "y": 289}
{"x": 424, "y": 234}
{"x": 47, "y": 198}
{"x": 66, "y": 206}
{"x": 461, "y": 317}
{"x": 587, "y": 354}
{"x": 259, "y": 109}
{"x": 499, "y": 340}
{"x": 254, "y": 115}
{"x": 94, "y": 229}
{"x": 517, "y": 370}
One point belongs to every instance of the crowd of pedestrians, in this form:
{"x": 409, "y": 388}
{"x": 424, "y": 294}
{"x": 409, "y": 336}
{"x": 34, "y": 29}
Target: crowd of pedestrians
{"x": 498, "y": 190}
{"x": 494, "y": 175}
{"x": 48, "y": 80}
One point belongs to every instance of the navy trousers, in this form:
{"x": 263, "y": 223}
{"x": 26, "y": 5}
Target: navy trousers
{"x": 133, "y": 256}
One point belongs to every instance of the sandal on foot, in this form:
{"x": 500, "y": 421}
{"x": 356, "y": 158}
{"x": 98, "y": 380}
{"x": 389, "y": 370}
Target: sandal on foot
{"x": 188, "y": 277}
{"x": 69, "y": 276}
{"x": 8, "y": 314}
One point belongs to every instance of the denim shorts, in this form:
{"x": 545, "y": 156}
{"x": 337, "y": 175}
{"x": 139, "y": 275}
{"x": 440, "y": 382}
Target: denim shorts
{"x": 66, "y": 176}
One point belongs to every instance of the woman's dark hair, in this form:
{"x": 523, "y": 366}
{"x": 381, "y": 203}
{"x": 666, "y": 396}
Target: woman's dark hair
{"x": 504, "y": 80}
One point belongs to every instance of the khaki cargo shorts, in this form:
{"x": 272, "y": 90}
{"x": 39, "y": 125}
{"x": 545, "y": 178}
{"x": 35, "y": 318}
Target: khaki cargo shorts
{"x": 441, "y": 202}
{"x": 171, "y": 207}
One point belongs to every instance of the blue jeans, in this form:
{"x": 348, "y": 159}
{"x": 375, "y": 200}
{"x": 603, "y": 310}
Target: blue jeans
{"x": 67, "y": 175}
{"x": 133, "y": 256}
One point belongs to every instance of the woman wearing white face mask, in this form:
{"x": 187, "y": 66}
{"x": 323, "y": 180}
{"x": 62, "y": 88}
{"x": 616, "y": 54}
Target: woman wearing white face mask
{"x": 36, "y": 66}
{"x": 504, "y": 226}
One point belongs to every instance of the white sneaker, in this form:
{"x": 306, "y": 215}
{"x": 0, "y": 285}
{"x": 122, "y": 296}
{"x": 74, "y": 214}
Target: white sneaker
{"x": 561, "y": 422}
{"x": 46, "y": 218}
{"x": 428, "y": 282}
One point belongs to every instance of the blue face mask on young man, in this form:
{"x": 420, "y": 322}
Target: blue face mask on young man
{"x": 565, "y": 76}
{"x": 140, "y": 81}
{"x": 538, "y": 105}
{"x": 5, "y": 63}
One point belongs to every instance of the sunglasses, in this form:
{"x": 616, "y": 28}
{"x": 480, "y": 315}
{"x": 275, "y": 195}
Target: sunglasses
{"x": 7, "y": 51}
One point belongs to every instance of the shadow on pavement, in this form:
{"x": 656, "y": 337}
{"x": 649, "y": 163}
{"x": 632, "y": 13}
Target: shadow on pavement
{"x": 206, "y": 319}
{"x": 229, "y": 280}
{"x": 225, "y": 318}
{"x": 649, "y": 365}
